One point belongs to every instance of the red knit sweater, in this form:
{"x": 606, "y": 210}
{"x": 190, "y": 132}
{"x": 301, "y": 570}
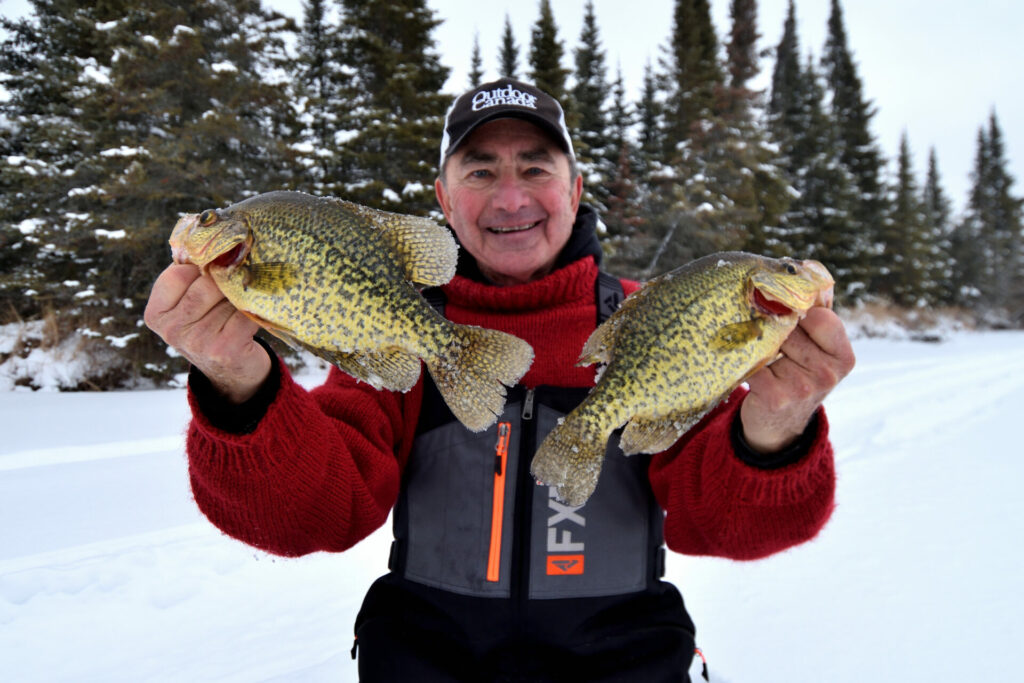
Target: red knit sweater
{"x": 322, "y": 469}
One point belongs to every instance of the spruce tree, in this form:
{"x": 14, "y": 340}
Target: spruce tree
{"x": 968, "y": 248}
{"x": 176, "y": 111}
{"x": 622, "y": 213}
{"x": 476, "y": 64}
{"x": 937, "y": 212}
{"x": 318, "y": 79}
{"x": 649, "y": 116}
{"x": 1005, "y": 229}
{"x": 508, "y": 56}
{"x": 395, "y": 106}
{"x": 742, "y": 46}
{"x": 692, "y": 72}
{"x": 818, "y": 221}
{"x": 786, "y": 104}
{"x": 904, "y": 278}
{"x": 858, "y": 149}
{"x": 594, "y": 152}
{"x": 987, "y": 243}
{"x": 48, "y": 62}
{"x": 546, "y": 52}
{"x": 722, "y": 189}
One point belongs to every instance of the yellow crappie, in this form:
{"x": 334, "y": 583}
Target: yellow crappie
{"x": 335, "y": 278}
{"x": 674, "y": 350}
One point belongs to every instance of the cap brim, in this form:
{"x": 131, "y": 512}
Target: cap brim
{"x": 555, "y": 133}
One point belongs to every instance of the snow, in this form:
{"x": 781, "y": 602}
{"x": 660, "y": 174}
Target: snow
{"x": 109, "y": 573}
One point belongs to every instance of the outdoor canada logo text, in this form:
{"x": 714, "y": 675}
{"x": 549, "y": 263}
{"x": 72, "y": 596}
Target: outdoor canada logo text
{"x": 503, "y": 96}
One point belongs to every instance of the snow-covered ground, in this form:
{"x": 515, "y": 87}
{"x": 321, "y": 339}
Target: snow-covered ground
{"x": 108, "y": 572}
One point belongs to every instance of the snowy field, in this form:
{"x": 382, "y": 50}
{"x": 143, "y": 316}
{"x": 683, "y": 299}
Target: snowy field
{"x": 108, "y": 572}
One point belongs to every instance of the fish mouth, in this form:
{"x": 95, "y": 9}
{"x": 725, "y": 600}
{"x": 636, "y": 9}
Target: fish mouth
{"x": 228, "y": 256}
{"x": 769, "y": 305}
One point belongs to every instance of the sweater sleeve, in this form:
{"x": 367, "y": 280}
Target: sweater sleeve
{"x": 719, "y": 504}
{"x": 319, "y": 471}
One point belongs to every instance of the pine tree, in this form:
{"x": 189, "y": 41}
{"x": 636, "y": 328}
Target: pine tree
{"x": 175, "y": 111}
{"x": 691, "y": 70}
{"x": 395, "y": 106}
{"x": 622, "y": 215}
{"x": 47, "y": 63}
{"x": 508, "y": 56}
{"x": 858, "y": 149}
{"x": 649, "y": 115}
{"x": 318, "y": 78}
{"x": 937, "y": 212}
{"x": 721, "y": 189}
{"x": 546, "y": 52}
{"x": 597, "y": 159}
{"x": 786, "y": 104}
{"x": 1006, "y": 228}
{"x": 987, "y": 243}
{"x": 476, "y": 64}
{"x": 904, "y": 279}
{"x": 818, "y": 221}
{"x": 742, "y": 47}
{"x": 968, "y": 247}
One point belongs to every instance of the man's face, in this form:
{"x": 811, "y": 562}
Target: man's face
{"x": 509, "y": 197}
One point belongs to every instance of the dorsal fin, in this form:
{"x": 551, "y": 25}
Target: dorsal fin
{"x": 427, "y": 251}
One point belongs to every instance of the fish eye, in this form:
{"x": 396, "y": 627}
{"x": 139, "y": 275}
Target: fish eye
{"x": 207, "y": 218}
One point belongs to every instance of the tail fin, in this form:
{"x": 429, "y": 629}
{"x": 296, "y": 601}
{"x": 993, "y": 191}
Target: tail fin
{"x": 570, "y": 459}
{"x": 472, "y": 372}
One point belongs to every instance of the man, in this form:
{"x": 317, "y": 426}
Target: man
{"x": 492, "y": 578}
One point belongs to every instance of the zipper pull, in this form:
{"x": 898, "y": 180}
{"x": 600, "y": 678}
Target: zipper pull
{"x": 528, "y": 405}
{"x": 501, "y": 448}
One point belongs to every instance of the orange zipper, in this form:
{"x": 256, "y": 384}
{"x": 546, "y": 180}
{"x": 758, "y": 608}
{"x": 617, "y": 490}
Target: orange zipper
{"x": 498, "y": 501}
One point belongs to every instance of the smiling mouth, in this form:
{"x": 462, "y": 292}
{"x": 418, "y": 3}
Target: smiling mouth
{"x": 513, "y": 228}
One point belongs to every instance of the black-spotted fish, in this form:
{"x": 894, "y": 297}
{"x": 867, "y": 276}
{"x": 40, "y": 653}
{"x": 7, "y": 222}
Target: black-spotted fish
{"x": 675, "y": 349}
{"x": 337, "y": 279}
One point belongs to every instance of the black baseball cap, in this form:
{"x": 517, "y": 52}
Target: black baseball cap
{"x": 502, "y": 99}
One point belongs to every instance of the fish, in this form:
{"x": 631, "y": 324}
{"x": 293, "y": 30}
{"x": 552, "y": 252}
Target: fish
{"x": 344, "y": 281}
{"x": 673, "y": 350}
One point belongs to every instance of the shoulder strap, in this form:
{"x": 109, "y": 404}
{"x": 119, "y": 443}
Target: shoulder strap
{"x": 608, "y": 293}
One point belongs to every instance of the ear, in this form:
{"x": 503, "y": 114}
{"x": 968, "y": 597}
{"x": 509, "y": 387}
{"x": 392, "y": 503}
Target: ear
{"x": 577, "y": 192}
{"x": 442, "y": 199}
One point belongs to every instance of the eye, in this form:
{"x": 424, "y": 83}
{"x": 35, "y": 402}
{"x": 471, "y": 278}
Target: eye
{"x": 207, "y": 218}
{"x": 791, "y": 269}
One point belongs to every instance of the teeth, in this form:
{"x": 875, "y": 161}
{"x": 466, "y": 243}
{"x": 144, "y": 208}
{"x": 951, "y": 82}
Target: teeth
{"x": 514, "y": 228}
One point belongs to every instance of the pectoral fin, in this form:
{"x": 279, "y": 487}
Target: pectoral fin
{"x": 275, "y": 277}
{"x": 734, "y": 336}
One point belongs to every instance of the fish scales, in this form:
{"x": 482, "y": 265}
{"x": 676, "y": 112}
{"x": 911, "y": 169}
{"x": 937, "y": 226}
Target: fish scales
{"x": 674, "y": 349}
{"x": 338, "y": 279}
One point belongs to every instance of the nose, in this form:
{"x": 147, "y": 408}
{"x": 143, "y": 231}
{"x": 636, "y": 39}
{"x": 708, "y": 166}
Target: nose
{"x": 509, "y": 194}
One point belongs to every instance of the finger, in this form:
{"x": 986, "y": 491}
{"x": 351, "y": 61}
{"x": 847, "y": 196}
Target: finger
{"x": 202, "y": 297}
{"x": 827, "y": 331}
{"x": 168, "y": 289}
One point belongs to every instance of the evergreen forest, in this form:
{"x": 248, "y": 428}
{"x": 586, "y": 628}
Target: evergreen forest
{"x": 119, "y": 116}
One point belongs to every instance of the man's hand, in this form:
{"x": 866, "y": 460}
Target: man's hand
{"x": 189, "y": 312}
{"x": 784, "y": 395}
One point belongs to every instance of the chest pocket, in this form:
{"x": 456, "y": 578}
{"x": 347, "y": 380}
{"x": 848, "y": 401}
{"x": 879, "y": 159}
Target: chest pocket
{"x": 446, "y": 517}
{"x": 471, "y": 519}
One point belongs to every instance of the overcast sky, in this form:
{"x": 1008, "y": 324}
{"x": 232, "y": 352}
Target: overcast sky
{"x": 932, "y": 68}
